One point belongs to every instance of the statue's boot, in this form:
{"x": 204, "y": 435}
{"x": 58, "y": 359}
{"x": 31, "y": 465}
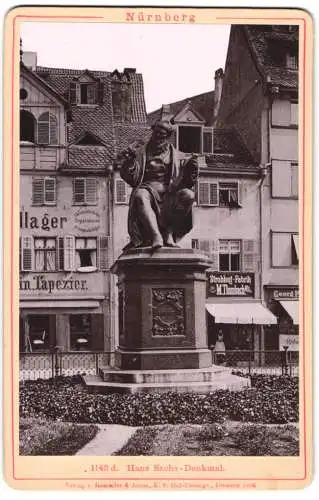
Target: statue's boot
{"x": 169, "y": 240}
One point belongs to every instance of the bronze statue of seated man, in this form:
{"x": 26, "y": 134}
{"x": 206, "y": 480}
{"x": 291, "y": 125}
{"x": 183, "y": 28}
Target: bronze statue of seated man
{"x": 160, "y": 209}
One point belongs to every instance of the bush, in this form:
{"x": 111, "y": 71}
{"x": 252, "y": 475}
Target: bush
{"x": 271, "y": 400}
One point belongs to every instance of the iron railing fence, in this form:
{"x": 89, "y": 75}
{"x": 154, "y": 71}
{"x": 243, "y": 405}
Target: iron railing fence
{"x": 53, "y": 364}
{"x": 35, "y": 365}
{"x": 260, "y": 362}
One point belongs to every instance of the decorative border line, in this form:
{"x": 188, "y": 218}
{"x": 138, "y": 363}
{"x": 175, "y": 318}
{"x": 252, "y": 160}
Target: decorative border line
{"x": 269, "y": 21}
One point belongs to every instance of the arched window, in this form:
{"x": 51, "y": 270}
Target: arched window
{"x": 27, "y": 126}
{"x": 47, "y": 129}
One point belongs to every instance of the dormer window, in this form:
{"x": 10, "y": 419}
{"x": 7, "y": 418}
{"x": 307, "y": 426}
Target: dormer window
{"x": 291, "y": 60}
{"x": 86, "y": 91}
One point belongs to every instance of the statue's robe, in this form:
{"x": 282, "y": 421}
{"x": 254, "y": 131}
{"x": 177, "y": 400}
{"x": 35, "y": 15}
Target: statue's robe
{"x": 133, "y": 170}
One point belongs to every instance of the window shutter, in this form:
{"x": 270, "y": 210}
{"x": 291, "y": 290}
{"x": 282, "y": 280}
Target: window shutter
{"x": 100, "y": 93}
{"x": 38, "y": 191}
{"x": 91, "y": 190}
{"x": 91, "y": 93}
{"x": 44, "y": 128}
{"x": 27, "y": 253}
{"x": 203, "y": 193}
{"x": 53, "y": 130}
{"x": 207, "y": 141}
{"x": 214, "y": 255}
{"x": 50, "y": 190}
{"x": 250, "y": 256}
{"x": 60, "y": 254}
{"x": 69, "y": 253}
{"x": 214, "y": 194}
{"x": 204, "y": 246}
{"x": 72, "y": 92}
{"x": 120, "y": 191}
{"x": 78, "y": 190}
{"x": 294, "y": 179}
{"x": 103, "y": 253}
{"x": 240, "y": 188}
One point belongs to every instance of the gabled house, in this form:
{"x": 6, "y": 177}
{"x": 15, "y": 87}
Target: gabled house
{"x": 226, "y": 219}
{"x": 259, "y": 101}
{"x": 73, "y": 123}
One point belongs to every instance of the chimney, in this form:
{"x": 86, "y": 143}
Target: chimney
{"x": 29, "y": 59}
{"x": 219, "y": 76}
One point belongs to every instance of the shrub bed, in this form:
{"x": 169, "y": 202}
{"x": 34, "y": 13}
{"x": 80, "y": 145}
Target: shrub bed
{"x": 270, "y": 400}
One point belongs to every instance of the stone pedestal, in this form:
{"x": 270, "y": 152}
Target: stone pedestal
{"x": 162, "y": 319}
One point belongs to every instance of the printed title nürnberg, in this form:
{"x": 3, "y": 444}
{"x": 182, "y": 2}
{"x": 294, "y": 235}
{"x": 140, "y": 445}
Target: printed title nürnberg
{"x": 141, "y": 17}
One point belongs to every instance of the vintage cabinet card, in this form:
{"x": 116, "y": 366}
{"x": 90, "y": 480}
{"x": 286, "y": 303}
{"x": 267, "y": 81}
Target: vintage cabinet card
{"x": 157, "y": 202}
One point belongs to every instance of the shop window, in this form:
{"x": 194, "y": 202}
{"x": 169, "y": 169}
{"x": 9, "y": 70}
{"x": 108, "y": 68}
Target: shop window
{"x": 189, "y": 139}
{"x": 43, "y": 190}
{"x": 47, "y": 129}
{"x": 122, "y": 192}
{"x": 85, "y": 253}
{"x": 81, "y": 332}
{"x": 284, "y": 179}
{"x": 27, "y": 126}
{"x": 45, "y": 254}
{"x": 84, "y": 191}
{"x": 229, "y": 255}
{"x": 285, "y": 249}
{"x": 39, "y": 333}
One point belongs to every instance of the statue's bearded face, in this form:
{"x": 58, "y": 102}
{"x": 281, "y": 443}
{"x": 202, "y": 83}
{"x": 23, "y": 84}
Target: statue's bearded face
{"x": 160, "y": 135}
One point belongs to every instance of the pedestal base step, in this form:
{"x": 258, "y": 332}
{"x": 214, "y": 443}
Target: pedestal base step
{"x": 200, "y": 381}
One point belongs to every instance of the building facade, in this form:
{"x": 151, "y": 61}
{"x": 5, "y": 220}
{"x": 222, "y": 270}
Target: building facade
{"x": 72, "y": 123}
{"x": 259, "y": 101}
{"x": 226, "y": 220}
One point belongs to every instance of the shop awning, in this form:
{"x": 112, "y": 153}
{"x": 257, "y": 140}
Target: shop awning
{"x": 292, "y": 308}
{"x": 57, "y": 304}
{"x": 242, "y": 313}
{"x": 295, "y": 238}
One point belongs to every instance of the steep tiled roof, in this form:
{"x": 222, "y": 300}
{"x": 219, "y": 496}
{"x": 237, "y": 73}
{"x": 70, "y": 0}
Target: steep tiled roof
{"x": 202, "y": 103}
{"x": 227, "y": 142}
{"x": 261, "y": 39}
{"x": 87, "y": 157}
{"x": 126, "y": 135}
{"x": 99, "y": 119}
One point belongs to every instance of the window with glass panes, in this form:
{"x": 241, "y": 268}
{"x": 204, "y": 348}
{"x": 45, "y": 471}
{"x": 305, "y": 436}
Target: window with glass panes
{"x": 80, "y": 332}
{"x": 45, "y": 254}
{"x": 229, "y": 255}
{"x": 85, "y": 252}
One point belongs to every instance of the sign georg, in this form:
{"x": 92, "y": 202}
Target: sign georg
{"x": 231, "y": 284}
{"x": 285, "y": 293}
{"x": 291, "y": 341}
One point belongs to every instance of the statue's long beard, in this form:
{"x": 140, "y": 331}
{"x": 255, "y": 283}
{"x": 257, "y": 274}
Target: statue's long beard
{"x": 158, "y": 146}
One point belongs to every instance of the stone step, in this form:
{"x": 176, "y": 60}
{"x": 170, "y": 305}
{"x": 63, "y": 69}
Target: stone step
{"x": 228, "y": 381}
{"x": 162, "y": 376}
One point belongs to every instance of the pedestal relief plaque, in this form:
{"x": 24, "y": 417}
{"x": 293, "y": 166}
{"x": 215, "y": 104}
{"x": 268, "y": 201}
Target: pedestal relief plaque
{"x": 168, "y": 312}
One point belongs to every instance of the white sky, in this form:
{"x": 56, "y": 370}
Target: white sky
{"x": 176, "y": 61}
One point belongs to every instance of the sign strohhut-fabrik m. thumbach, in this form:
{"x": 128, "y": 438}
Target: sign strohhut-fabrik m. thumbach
{"x": 231, "y": 284}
